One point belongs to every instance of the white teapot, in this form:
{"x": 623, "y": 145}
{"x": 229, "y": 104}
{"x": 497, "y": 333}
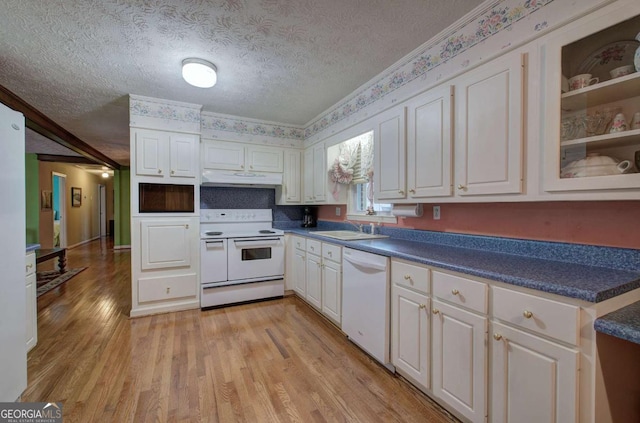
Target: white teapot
{"x": 595, "y": 165}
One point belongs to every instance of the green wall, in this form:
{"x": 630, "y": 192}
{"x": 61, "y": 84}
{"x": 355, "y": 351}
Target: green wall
{"x": 122, "y": 207}
{"x": 33, "y": 198}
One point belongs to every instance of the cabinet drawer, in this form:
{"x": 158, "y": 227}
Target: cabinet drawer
{"x": 411, "y": 276}
{"x": 314, "y": 246}
{"x": 541, "y": 315}
{"x": 30, "y": 263}
{"x": 461, "y": 291}
{"x": 299, "y": 242}
{"x": 167, "y": 287}
{"x": 332, "y": 252}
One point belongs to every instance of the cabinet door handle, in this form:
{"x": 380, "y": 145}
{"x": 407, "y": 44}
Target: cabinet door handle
{"x": 159, "y": 170}
{"x": 462, "y": 187}
{"x": 168, "y": 290}
{"x": 412, "y": 191}
{"x": 421, "y": 306}
{"x": 29, "y": 266}
{"x": 497, "y": 336}
{"x": 401, "y": 192}
{"x": 173, "y": 172}
{"x": 407, "y": 277}
{"x": 241, "y": 166}
{"x": 527, "y": 314}
{"x": 186, "y": 226}
{"x": 455, "y": 291}
{"x": 329, "y": 254}
{"x": 435, "y": 311}
{"x": 251, "y": 167}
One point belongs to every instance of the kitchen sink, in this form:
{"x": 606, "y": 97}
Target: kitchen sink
{"x": 348, "y": 235}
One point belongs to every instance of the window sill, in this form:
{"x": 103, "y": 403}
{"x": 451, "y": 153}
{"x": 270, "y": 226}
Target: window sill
{"x": 377, "y": 218}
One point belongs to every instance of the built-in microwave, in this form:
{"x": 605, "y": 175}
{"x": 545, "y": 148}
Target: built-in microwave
{"x": 165, "y": 198}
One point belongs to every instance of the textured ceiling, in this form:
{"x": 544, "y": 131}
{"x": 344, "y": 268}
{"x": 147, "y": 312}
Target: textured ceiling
{"x": 278, "y": 60}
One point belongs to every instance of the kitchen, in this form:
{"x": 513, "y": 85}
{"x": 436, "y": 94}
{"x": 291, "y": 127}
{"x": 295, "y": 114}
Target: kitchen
{"x": 532, "y": 190}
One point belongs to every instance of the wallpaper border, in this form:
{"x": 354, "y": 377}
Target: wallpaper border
{"x": 488, "y": 23}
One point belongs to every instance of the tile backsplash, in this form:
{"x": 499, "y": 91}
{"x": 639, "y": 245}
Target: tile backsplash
{"x": 249, "y": 198}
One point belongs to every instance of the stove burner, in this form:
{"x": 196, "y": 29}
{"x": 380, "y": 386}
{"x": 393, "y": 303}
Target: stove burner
{"x": 213, "y": 233}
{"x": 266, "y": 231}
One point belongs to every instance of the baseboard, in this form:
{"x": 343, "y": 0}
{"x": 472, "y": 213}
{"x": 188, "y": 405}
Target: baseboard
{"x": 70, "y": 247}
{"x": 122, "y": 247}
{"x": 166, "y": 308}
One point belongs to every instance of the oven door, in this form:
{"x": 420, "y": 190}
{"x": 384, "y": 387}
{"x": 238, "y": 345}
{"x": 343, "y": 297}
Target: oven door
{"x": 213, "y": 260}
{"x": 254, "y": 259}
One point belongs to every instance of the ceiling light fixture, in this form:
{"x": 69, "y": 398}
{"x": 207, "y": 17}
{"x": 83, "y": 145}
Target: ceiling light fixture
{"x": 199, "y": 73}
{"x": 105, "y": 174}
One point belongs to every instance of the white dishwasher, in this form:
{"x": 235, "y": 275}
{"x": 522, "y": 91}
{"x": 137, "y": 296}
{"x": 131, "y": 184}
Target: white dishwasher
{"x": 365, "y": 302}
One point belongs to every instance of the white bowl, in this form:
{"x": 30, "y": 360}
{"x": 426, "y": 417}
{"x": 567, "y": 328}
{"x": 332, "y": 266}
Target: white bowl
{"x": 621, "y": 71}
{"x": 595, "y": 165}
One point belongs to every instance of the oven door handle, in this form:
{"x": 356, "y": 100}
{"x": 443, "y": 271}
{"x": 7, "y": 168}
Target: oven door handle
{"x": 214, "y": 242}
{"x": 255, "y": 241}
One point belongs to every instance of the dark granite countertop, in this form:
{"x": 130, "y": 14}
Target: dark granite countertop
{"x": 576, "y": 280}
{"x": 623, "y": 323}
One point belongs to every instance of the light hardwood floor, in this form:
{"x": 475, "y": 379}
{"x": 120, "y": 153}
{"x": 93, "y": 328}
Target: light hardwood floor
{"x": 274, "y": 361}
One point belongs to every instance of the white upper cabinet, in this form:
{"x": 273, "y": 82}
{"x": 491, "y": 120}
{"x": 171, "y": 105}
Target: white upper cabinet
{"x": 165, "y": 154}
{"x": 290, "y": 192}
{"x": 489, "y": 128}
{"x": 264, "y": 159}
{"x": 315, "y": 174}
{"x": 319, "y": 173}
{"x": 429, "y": 144}
{"x": 390, "y": 155}
{"x": 583, "y": 149}
{"x": 224, "y": 155}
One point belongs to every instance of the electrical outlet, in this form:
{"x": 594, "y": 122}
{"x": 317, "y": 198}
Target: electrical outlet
{"x": 436, "y": 212}
{"x": 338, "y": 211}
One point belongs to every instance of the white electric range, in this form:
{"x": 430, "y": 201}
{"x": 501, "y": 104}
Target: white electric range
{"x": 241, "y": 256}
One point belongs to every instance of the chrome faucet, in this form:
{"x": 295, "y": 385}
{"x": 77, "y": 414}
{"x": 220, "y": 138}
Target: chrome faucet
{"x": 358, "y": 226}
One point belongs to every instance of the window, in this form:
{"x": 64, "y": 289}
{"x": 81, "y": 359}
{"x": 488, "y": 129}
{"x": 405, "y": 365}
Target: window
{"x": 354, "y": 166}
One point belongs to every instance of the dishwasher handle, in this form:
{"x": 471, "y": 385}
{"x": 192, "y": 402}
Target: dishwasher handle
{"x": 364, "y": 263}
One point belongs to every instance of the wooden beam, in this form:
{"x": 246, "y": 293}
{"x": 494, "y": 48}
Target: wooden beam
{"x": 65, "y": 159}
{"x": 40, "y": 123}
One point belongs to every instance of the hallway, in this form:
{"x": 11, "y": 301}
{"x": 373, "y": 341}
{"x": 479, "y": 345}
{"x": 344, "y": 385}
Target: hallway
{"x": 262, "y": 362}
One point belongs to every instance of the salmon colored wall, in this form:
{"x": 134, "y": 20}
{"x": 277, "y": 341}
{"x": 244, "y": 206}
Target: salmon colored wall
{"x": 610, "y": 223}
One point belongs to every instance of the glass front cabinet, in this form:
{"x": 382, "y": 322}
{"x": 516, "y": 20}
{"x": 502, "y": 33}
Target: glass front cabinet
{"x": 592, "y": 104}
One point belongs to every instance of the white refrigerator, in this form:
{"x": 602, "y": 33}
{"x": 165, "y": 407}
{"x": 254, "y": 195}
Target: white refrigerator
{"x": 13, "y": 349}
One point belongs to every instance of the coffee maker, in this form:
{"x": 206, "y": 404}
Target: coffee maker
{"x": 309, "y": 218}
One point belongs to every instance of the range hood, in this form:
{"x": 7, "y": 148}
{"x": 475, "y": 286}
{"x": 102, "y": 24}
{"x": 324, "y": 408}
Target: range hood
{"x": 232, "y": 177}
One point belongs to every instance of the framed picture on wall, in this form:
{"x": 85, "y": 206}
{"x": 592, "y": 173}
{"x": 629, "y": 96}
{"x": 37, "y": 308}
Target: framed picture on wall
{"x": 46, "y": 200}
{"x": 76, "y": 197}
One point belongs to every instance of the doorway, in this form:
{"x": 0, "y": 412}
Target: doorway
{"x": 59, "y": 210}
{"x": 103, "y": 210}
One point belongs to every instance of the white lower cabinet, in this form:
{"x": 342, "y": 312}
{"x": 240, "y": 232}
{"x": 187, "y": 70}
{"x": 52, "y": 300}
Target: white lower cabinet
{"x": 533, "y": 380}
{"x": 314, "y": 280}
{"x": 410, "y": 330}
{"x": 459, "y": 357}
{"x": 165, "y": 262}
{"x": 332, "y": 282}
{"x": 317, "y": 274}
{"x": 32, "y": 303}
{"x": 165, "y": 243}
{"x": 300, "y": 272}
{"x": 410, "y": 335}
